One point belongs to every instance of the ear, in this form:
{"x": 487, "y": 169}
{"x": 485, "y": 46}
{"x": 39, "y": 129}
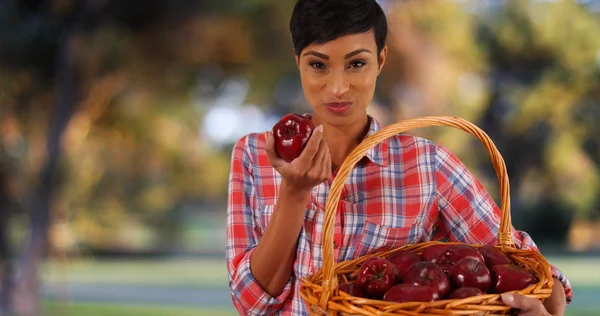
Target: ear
{"x": 382, "y": 58}
{"x": 297, "y": 59}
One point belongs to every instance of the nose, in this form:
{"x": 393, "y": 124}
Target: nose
{"x": 338, "y": 84}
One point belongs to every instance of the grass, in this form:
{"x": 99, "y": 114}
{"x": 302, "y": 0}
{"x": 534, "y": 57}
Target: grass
{"x": 85, "y": 309}
{"x": 581, "y": 313}
{"x": 212, "y": 273}
{"x": 183, "y": 272}
{"x": 580, "y": 271}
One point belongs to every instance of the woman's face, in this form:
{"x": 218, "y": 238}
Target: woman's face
{"x": 339, "y": 76}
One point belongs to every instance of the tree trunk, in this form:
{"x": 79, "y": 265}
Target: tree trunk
{"x": 26, "y": 292}
{"x": 5, "y": 252}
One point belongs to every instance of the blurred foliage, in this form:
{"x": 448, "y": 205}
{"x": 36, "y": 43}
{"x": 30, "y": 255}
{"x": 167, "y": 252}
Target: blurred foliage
{"x": 134, "y": 154}
{"x": 528, "y": 73}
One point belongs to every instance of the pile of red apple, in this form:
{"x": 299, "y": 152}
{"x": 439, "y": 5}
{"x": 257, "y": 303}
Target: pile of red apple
{"x": 441, "y": 272}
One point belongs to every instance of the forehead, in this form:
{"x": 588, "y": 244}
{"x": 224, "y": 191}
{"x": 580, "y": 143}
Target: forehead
{"x": 345, "y": 44}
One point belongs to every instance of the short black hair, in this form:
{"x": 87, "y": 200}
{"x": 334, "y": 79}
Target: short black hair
{"x": 320, "y": 21}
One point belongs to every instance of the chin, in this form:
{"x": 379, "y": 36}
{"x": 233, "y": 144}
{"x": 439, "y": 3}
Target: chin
{"x": 344, "y": 119}
{"x": 335, "y": 119}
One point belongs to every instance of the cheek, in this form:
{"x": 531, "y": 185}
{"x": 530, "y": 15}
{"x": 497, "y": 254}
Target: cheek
{"x": 365, "y": 88}
{"x": 311, "y": 86}
{"x": 311, "y": 82}
{"x": 365, "y": 82}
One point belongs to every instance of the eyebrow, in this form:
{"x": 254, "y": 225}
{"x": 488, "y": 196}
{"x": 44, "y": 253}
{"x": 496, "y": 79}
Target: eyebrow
{"x": 354, "y": 53}
{"x": 316, "y": 54}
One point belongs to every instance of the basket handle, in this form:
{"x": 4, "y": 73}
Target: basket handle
{"x": 504, "y": 234}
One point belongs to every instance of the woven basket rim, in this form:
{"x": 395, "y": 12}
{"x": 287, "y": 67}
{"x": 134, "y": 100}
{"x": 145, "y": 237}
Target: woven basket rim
{"x": 326, "y": 275}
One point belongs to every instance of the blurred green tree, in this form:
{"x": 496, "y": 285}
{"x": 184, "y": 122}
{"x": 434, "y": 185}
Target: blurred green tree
{"x": 527, "y": 72}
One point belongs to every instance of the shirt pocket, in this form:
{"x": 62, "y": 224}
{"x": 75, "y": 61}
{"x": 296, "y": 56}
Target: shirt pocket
{"x": 378, "y": 237}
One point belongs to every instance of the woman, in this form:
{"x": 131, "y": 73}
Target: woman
{"x": 405, "y": 190}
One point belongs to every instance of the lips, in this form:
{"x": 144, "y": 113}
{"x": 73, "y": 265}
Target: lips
{"x": 338, "y": 107}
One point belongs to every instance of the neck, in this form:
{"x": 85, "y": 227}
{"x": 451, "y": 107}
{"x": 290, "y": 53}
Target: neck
{"x": 342, "y": 139}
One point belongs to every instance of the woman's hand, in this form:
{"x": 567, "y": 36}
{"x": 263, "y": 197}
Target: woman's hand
{"x": 311, "y": 168}
{"x": 527, "y": 306}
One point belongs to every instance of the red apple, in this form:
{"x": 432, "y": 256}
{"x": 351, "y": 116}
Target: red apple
{"x": 411, "y": 293}
{"x": 437, "y": 254}
{"x": 403, "y": 259}
{"x": 428, "y": 274}
{"x": 465, "y": 292}
{"x": 291, "y": 135}
{"x": 494, "y": 256}
{"x": 447, "y": 255}
{"x": 457, "y": 252}
{"x": 352, "y": 289}
{"x": 510, "y": 277}
{"x": 375, "y": 276}
{"x": 468, "y": 272}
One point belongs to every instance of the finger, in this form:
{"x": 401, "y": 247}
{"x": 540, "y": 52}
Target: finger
{"x": 527, "y": 305}
{"x": 326, "y": 164}
{"x": 274, "y": 158}
{"x": 315, "y": 169}
{"x": 320, "y": 153}
{"x": 320, "y": 161}
{"x": 309, "y": 152}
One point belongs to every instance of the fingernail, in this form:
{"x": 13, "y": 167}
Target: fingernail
{"x": 508, "y": 298}
{"x": 319, "y": 128}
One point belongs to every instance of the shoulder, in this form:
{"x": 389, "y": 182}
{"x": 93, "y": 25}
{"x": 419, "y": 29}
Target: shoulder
{"x": 249, "y": 147}
{"x": 410, "y": 145}
{"x": 405, "y": 147}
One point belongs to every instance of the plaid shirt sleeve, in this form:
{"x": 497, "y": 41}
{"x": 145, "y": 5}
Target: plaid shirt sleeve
{"x": 243, "y": 234}
{"x": 468, "y": 213}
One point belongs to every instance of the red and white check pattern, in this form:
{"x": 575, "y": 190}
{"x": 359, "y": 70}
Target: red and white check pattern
{"x": 406, "y": 190}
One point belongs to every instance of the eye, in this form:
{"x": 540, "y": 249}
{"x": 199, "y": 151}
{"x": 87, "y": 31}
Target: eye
{"x": 317, "y": 65}
{"x": 357, "y": 64}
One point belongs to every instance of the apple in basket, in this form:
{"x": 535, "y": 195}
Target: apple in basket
{"x": 428, "y": 274}
{"x": 457, "y": 252}
{"x": 411, "y": 293}
{"x": 510, "y": 277}
{"x": 464, "y": 292}
{"x": 437, "y": 255}
{"x": 352, "y": 289}
{"x": 468, "y": 272}
{"x": 291, "y": 135}
{"x": 403, "y": 259}
{"x": 448, "y": 255}
{"x": 376, "y": 276}
{"x": 493, "y": 256}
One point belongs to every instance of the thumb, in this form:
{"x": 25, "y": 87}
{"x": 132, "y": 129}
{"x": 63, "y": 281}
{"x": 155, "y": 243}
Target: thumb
{"x": 274, "y": 158}
{"x": 519, "y": 301}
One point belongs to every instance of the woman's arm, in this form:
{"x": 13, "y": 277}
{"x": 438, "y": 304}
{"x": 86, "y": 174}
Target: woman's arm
{"x": 260, "y": 265}
{"x": 244, "y": 234}
{"x": 272, "y": 261}
{"x": 274, "y": 256}
{"x": 554, "y": 305}
{"x": 557, "y": 302}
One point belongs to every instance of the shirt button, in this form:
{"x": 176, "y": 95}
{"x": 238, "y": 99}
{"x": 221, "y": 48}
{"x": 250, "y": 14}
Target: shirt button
{"x": 335, "y": 245}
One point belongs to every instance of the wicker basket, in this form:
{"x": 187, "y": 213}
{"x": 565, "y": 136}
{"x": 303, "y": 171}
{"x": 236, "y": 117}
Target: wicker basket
{"x": 320, "y": 290}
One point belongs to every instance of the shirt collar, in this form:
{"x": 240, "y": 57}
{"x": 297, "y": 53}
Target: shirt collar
{"x": 378, "y": 154}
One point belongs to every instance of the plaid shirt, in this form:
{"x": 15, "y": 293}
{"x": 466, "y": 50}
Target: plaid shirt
{"x": 406, "y": 190}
